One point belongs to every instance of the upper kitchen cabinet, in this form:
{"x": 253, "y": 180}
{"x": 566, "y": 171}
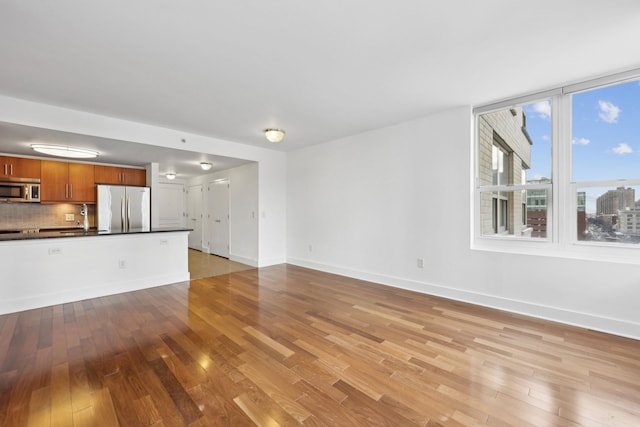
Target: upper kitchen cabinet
{"x": 124, "y": 176}
{"x": 67, "y": 182}
{"x": 15, "y": 167}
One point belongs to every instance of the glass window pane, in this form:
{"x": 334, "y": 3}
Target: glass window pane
{"x": 514, "y": 213}
{"x": 536, "y": 206}
{"x": 515, "y": 145}
{"x": 494, "y": 165}
{"x": 605, "y": 129}
{"x": 609, "y": 214}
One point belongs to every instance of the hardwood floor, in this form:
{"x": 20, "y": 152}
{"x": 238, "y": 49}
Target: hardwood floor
{"x": 284, "y": 345}
{"x": 207, "y": 265}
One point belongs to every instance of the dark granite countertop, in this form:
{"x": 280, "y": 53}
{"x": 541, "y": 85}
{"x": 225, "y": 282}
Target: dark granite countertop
{"x": 44, "y": 233}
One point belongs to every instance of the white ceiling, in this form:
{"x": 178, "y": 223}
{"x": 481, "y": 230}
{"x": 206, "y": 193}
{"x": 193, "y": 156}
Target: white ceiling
{"x": 320, "y": 70}
{"x": 17, "y": 139}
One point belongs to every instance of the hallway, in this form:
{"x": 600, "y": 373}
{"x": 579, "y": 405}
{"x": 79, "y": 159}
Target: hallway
{"x": 206, "y": 265}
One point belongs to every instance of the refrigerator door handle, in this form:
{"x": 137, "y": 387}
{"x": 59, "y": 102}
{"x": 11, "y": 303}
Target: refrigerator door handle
{"x": 128, "y": 212}
{"x": 122, "y": 207}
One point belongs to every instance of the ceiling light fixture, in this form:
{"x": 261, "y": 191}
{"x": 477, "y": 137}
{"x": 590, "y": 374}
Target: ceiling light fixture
{"x": 205, "y": 166}
{"x": 170, "y": 175}
{"x": 274, "y": 135}
{"x": 64, "y": 151}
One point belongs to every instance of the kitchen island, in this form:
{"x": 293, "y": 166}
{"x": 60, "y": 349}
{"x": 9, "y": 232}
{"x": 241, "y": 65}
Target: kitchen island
{"x": 51, "y": 267}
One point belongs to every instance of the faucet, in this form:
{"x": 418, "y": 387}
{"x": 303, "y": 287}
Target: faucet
{"x": 85, "y": 213}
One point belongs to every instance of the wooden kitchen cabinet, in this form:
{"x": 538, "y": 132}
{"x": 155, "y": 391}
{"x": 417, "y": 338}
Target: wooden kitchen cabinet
{"x": 135, "y": 176}
{"x": 67, "y": 182}
{"x": 16, "y": 167}
{"x": 124, "y": 176}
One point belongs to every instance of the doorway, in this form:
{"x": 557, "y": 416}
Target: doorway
{"x": 170, "y": 197}
{"x": 219, "y": 217}
{"x": 194, "y": 216}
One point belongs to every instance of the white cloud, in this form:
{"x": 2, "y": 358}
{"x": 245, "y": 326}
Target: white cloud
{"x": 608, "y": 112}
{"x": 622, "y": 148}
{"x": 543, "y": 108}
{"x": 581, "y": 141}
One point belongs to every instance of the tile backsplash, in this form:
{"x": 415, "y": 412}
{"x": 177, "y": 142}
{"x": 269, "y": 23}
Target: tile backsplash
{"x": 35, "y": 215}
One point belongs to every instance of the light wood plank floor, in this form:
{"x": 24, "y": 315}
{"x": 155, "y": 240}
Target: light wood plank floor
{"x": 285, "y": 345}
{"x": 207, "y": 265}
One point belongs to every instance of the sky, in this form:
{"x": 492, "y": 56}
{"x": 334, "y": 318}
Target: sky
{"x": 605, "y": 137}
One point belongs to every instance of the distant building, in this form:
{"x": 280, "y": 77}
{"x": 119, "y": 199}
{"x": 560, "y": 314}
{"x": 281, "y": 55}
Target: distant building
{"x": 537, "y": 199}
{"x": 629, "y": 222}
{"x": 582, "y": 215}
{"x": 615, "y": 200}
{"x": 537, "y": 209}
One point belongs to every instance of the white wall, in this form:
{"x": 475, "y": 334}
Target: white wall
{"x": 243, "y": 214}
{"x": 271, "y": 171}
{"x": 243, "y": 211}
{"x": 371, "y": 204}
{"x": 43, "y": 272}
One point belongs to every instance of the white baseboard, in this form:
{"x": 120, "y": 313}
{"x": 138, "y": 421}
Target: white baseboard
{"x": 585, "y": 320}
{"x": 266, "y": 262}
{"x": 243, "y": 260}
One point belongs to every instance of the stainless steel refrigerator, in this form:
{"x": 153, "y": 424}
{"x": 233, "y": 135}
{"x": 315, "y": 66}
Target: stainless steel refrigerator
{"x": 122, "y": 208}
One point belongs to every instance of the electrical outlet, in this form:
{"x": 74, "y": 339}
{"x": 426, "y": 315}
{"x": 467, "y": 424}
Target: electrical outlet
{"x": 69, "y": 217}
{"x": 420, "y": 263}
{"x": 55, "y": 251}
{"x": 122, "y": 263}
{"x": 164, "y": 242}
{"x": 310, "y": 248}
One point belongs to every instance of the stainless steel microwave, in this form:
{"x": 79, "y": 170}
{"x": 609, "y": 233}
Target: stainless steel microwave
{"x": 20, "y": 190}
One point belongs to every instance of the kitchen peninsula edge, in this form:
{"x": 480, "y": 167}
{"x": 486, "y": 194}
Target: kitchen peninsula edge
{"x": 49, "y": 268}
{"x": 47, "y": 233}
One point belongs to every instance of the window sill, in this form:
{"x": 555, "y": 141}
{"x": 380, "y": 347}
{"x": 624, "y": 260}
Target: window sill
{"x": 588, "y": 251}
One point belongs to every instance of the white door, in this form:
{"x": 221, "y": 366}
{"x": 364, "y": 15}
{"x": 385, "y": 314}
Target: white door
{"x": 219, "y": 217}
{"x": 170, "y": 199}
{"x": 194, "y": 216}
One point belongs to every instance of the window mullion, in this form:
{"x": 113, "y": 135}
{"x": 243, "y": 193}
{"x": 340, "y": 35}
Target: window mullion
{"x": 563, "y": 195}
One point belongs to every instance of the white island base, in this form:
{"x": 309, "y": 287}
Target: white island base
{"x": 42, "y": 272}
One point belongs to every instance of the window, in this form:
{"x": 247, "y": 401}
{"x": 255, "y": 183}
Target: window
{"x": 561, "y": 168}
{"x": 512, "y": 167}
{"x": 605, "y": 162}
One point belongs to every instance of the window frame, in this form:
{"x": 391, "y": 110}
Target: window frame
{"x": 478, "y": 189}
{"x": 562, "y": 219}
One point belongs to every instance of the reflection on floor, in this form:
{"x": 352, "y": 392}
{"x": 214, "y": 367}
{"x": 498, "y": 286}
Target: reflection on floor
{"x": 206, "y": 265}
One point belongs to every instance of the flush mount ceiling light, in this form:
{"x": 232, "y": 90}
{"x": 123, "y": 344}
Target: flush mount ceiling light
{"x": 64, "y": 151}
{"x": 274, "y": 135}
{"x": 170, "y": 175}
{"x": 205, "y": 166}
